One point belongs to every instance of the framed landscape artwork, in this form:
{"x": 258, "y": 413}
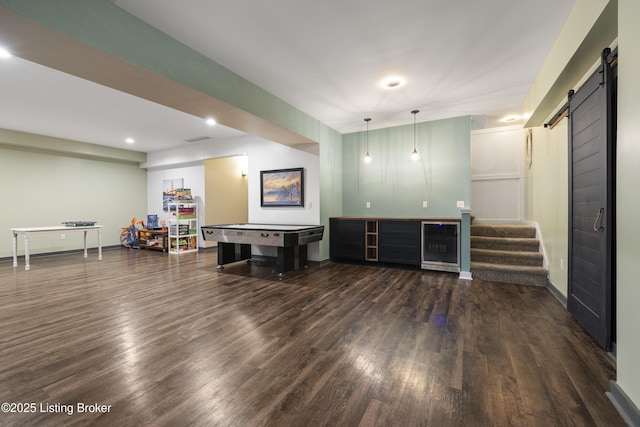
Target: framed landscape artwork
{"x": 282, "y": 187}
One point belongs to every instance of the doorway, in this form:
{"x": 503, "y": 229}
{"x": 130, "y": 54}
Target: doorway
{"x": 226, "y": 191}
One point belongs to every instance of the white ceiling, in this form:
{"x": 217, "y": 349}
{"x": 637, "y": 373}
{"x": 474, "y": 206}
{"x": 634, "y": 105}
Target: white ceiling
{"x": 44, "y": 101}
{"x": 326, "y": 58}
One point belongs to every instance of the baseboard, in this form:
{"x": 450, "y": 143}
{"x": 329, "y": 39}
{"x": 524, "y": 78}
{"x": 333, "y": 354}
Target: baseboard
{"x": 465, "y": 275}
{"x": 613, "y": 353}
{"x": 90, "y": 249}
{"x": 477, "y": 221}
{"x": 625, "y": 407}
{"x": 545, "y": 263}
{"x": 554, "y": 291}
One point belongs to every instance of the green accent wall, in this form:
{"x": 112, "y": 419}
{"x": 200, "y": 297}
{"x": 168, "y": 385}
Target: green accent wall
{"x": 465, "y": 243}
{"x": 396, "y": 186}
{"x": 52, "y": 180}
{"x": 330, "y": 181}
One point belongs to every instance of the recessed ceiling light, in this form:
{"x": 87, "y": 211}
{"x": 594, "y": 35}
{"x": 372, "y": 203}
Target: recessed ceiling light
{"x": 211, "y": 122}
{"x": 130, "y": 140}
{"x": 4, "y": 53}
{"x": 511, "y": 118}
{"x": 393, "y": 82}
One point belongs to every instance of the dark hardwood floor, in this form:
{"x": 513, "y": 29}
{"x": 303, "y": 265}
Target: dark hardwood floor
{"x": 168, "y": 340}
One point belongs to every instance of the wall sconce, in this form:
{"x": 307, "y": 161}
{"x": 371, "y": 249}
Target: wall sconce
{"x": 242, "y": 163}
{"x": 367, "y": 157}
{"x": 414, "y": 154}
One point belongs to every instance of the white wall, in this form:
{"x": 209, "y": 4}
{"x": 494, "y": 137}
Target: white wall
{"x": 266, "y": 155}
{"x": 195, "y": 153}
{"x": 188, "y": 163}
{"x": 497, "y": 189}
{"x": 193, "y": 178}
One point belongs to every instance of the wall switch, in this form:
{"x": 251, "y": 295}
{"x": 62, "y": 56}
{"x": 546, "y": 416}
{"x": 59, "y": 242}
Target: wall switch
{"x": 62, "y": 237}
{"x": 424, "y": 203}
{"x": 561, "y": 263}
{"x": 460, "y": 204}
{"x": 368, "y": 205}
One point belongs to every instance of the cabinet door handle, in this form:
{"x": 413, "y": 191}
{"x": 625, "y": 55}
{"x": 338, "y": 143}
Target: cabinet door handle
{"x": 597, "y": 221}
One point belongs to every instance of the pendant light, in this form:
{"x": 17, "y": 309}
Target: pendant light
{"x": 414, "y": 154}
{"x": 367, "y": 157}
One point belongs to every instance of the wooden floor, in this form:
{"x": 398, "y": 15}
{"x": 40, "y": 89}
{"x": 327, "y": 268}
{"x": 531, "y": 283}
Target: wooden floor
{"x": 168, "y": 340}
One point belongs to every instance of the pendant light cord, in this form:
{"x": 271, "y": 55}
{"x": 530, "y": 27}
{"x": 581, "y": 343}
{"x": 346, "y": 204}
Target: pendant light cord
{"x": 367, "y": 120}
{"x": 414, "y": 154}
{"x": 414, "y": 112}
{"x": 367, "y": 157}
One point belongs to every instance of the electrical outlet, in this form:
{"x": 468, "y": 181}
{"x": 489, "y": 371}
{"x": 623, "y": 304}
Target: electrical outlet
{"x": 62, "y": 237}
{"x": 460, "y": 204}
{"x": 424, "y": 203}
{"x": 368, "y": 205}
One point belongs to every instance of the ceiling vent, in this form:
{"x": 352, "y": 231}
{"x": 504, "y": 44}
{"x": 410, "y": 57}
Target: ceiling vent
{"x": 197, "y": 138}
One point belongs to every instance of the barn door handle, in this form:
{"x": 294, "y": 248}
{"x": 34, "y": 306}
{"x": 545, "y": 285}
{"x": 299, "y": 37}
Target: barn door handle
{"x": 597, "y": 221}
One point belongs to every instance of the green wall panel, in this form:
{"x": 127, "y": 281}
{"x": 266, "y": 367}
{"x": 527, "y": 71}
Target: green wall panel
{"x": 396, "y": 186}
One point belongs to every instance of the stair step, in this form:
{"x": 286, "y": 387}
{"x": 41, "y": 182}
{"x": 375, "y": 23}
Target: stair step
{"x": 503, "y": 230}
{"x": 514, "y": 274}
{"x": 524, "y": 258}
{"x": 505, "y": 243}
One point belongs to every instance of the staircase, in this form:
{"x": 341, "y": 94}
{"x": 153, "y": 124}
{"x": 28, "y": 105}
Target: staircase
{"x": 507, "y": 253}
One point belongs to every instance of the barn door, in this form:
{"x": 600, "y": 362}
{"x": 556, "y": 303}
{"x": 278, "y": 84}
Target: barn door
{"x": 591, "y": 204}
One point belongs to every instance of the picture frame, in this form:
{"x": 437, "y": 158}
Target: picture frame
{"x": 169, "y": 190}
{"x": 282, "y": 188}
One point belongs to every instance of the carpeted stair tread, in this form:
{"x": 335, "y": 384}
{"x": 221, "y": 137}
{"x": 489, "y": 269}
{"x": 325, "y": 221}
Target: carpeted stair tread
{"x": 503, "y": 230}
{"x": 539, "y": 270}
{"x": 507, "y": 253}
{"x": 524, "y": 258}
{"x": 505, "y": 243}
{"x": 515, "y": 274}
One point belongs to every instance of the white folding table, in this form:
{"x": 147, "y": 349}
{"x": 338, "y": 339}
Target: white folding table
{"x": 57, "y": 228}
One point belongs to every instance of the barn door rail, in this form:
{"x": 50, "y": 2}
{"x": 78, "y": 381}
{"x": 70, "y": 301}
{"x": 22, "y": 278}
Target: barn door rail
{"x": 609, "y": 57}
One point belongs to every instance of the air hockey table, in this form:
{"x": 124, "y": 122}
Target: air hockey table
{"x": 235, "y": 240}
